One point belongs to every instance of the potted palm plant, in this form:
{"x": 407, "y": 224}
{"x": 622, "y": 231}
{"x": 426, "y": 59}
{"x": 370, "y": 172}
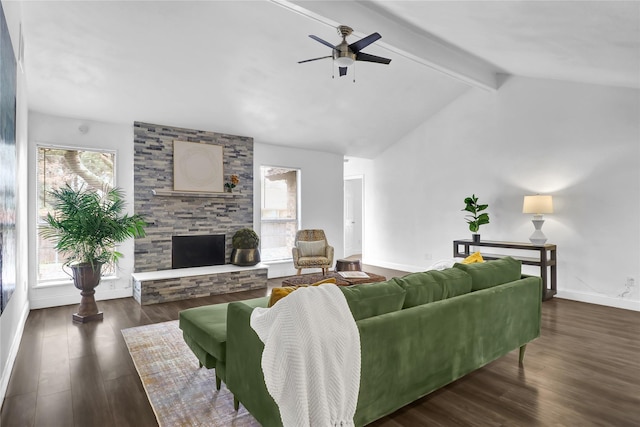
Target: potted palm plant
{"x": 245, "y": 247}
{"x": 85, "y": 226}
{"x": 475, "y": 219}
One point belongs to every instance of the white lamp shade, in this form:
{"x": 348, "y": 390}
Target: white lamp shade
{"x": 537, "y": 204}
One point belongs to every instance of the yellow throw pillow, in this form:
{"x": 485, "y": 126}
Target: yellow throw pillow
{"x": 474, "y": 257}
{"x": 278, "y": 293}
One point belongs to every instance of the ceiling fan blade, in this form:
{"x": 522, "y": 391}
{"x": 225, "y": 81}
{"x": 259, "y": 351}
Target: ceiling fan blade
{"x": 372, "y": 58}
{"x": 324, "y": 42}
{"x": 314, "y": 59}
{"x": 343, "y": 71}
{"x": 362, "y": 43}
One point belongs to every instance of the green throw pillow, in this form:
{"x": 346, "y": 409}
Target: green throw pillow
{"x": 368, "y": 300}
{"x": 492, "y": 273}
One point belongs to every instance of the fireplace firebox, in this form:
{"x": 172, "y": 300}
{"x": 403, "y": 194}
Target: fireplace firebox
{"x": 197, "y": 250}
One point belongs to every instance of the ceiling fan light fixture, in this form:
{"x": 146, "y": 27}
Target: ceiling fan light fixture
{"x": 344, "y": 61}
{"x": 345, "y": 54}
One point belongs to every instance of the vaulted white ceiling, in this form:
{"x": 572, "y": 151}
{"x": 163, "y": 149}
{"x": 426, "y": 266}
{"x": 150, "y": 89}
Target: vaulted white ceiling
{"x": 231, "y": 66}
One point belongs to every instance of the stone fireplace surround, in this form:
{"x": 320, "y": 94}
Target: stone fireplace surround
{"x": 183, "y": 214}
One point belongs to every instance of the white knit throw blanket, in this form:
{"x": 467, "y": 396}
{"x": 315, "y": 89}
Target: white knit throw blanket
{"x": 311, "y": 358}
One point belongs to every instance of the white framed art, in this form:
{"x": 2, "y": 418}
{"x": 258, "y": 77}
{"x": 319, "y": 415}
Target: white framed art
{"x": 197, "y": 167}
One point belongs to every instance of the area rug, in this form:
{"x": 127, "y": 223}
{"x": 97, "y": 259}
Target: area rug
{"x": 180, "y": 393}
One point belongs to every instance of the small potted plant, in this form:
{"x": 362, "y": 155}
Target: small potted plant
{"x": 245, "y": 244}
{"x": 86, "y": 225}
{"x": 475, "y": 219}
{"x": 233, "y": 181}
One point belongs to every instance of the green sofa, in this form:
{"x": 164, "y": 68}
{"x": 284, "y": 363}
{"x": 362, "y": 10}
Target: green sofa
{"x": 417, "y": 333}
{"x": 204, "y": 329}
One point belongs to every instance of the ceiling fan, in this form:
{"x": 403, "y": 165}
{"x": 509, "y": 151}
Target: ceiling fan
{"x": 345, "y": 54}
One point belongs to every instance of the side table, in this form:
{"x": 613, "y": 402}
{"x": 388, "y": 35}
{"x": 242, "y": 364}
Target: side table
{"x": 348, "y": 265}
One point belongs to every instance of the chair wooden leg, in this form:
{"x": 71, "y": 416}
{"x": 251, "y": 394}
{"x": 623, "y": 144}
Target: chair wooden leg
{"x": 521, "y": 356}
{"x": 299, "y": 271}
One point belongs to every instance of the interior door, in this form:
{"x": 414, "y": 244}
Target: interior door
{"x": 352, "y": 217}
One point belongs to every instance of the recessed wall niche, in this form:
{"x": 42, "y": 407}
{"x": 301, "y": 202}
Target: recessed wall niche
{"x": 184, "y": 214}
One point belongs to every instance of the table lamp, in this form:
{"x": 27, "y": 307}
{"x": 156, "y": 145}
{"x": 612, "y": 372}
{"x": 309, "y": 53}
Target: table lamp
{"x": 537, "y": 205}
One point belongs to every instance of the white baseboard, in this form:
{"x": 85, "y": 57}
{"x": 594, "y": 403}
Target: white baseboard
{"x": 13, "y": 351}
{"x": 46, "y": 301}
{"x": 600, "y": 300}
{"x": 571, "y": 295}
{"x": 394, "y": 266}
{"x": 286, "y": 269}
{"x": 280, "y": 269}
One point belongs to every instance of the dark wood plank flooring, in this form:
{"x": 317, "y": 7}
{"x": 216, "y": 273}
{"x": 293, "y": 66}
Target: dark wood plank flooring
{"x": 583, "y": 371}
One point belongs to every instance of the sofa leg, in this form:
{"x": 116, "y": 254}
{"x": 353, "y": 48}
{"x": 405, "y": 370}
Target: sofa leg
{"x": 200, "y": 364}
{"x": 236, "y": 403}
{"x": 218, "y": 382}
{"x": 521, "y": 357}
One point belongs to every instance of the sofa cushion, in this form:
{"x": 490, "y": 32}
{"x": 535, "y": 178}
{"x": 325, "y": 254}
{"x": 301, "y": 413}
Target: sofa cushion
{"x": 454, "y": 282}
{"x": 492, "y": 273}
{"x": 421, "y": 288}
{"x": 207, "y": 325}
{"x": 430, "y": 286}
{"x": 368, "y": 300}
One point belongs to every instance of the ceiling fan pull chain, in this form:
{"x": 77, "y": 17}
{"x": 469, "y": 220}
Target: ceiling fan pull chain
{"x": 354, "y": 72}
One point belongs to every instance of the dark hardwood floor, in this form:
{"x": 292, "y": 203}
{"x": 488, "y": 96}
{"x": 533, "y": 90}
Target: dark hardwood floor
{"x": 584, "y": 370}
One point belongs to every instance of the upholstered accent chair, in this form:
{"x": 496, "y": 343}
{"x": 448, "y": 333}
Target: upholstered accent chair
{"x": 312, "y": 250}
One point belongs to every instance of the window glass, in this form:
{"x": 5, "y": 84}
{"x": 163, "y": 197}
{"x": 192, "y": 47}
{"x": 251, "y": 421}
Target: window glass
{"x": 58, "y": 167}
{"x": 279, "y": 212}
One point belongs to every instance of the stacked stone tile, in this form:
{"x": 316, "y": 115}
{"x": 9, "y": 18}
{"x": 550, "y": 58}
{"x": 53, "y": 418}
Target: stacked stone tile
{"x": 171, "y": 215}
{"x": 165, "y": 290}
{"x": 188, "y": 215}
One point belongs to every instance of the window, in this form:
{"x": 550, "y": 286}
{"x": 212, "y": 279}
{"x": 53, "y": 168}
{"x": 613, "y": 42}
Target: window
{"x": 57, "y": 167}
{"x": 279, "y": 218}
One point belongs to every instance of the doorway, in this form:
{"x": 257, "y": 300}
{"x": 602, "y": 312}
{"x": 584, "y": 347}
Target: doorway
{"x": 353, "y": 216}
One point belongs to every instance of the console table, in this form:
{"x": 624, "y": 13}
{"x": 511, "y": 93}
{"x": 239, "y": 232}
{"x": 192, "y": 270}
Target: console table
{"x": 546, "y": 258}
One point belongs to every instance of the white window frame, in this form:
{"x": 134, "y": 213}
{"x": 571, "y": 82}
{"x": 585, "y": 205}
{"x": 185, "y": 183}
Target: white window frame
{"x": 57, "y": 281}
{"x": 298, "y": 219}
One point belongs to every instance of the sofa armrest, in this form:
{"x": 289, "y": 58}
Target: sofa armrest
{"x": 296, "y": 254}
{"x": 528, "y": 276}
{"x": 244, "y": 377}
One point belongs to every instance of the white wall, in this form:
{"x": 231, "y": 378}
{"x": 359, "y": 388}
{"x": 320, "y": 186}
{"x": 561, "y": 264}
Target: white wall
{"x": 53, "y": 130}
{"x": 321, "y": 193}
{"x": 15, "y": 314}
{"x": 577, "y": 142}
